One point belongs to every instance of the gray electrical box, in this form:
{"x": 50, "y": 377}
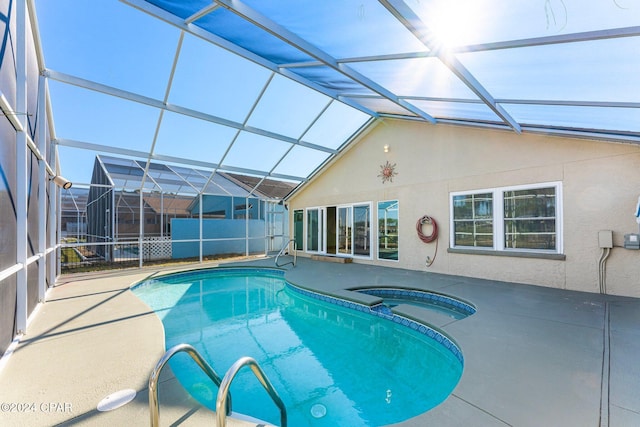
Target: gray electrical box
{"x": 632, "y": 241}
{"x": 605, "y": 239}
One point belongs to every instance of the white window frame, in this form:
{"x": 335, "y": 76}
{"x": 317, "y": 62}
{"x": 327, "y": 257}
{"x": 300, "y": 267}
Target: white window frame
{"x": 498, "y": 217}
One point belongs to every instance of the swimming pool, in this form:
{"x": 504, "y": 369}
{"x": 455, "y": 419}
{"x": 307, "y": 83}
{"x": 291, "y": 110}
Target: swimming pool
{"x": 333, "y": 362}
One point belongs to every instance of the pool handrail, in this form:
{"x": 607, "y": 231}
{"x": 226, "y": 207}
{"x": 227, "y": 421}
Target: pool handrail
{"x": 223, "y": 390}
{"x": 295, "y": 253}
{"x": 154, "y": 407}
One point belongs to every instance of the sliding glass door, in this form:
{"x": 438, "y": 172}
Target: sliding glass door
{"x": 315, "y": 230}
{"x": 298, "y": 228}
{"x": 362, "y": 230}
{"x": 339, "y": 230}
{"x": 345, "y": 245}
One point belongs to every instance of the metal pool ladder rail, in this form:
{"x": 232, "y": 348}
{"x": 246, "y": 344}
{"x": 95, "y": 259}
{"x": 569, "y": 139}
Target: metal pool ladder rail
{"x": 223, "y": 401}
{"x": 223, "y": 391}
{"x": 295, "y": 253}
{"x": 154, "y": 407}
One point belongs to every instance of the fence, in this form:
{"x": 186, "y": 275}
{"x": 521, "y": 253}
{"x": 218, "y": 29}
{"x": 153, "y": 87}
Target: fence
{"x": 78, "y": 256}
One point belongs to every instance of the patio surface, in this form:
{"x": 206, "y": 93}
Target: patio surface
{"x": 534, "y": 356}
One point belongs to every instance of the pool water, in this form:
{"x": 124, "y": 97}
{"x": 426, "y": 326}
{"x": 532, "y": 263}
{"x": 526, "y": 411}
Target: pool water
{"x": 331, "y": 365}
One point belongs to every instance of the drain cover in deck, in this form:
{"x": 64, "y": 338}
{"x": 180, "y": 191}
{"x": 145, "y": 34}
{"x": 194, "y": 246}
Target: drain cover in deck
{"x": 116, "y": 400}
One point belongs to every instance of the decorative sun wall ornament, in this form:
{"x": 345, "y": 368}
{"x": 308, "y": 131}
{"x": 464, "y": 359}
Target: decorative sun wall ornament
{"x": 387, "y": 172}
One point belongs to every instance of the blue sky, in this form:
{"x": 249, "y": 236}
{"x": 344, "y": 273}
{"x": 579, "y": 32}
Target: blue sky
{"x": 108, "y": 42}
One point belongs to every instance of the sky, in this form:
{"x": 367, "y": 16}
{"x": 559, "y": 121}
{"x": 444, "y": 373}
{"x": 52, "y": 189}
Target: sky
{"x": 111, "y": 43}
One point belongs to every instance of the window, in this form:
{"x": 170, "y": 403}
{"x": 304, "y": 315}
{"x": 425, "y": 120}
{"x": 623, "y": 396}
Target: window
{"x": 473, "y": 220}
{"x": 508, "y": 218}
{"x": 388, "y": 230}
{"x": 530, "y": 219}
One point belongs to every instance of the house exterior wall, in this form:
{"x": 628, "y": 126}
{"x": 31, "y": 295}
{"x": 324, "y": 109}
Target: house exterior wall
{"x": 600, "y": 188}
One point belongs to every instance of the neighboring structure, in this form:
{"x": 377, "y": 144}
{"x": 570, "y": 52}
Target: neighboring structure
{"x": 520, "y": 208}
{"x": 239, "y": 214}
{"x": 73, "y": 213}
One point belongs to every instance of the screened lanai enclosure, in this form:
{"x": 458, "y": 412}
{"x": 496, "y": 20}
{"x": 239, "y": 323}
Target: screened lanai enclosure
{"x": 125, "y": 217}
{"x": 171, "y": 117}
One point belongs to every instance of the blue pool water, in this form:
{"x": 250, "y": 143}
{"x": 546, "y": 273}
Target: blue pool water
{"x": 331, "y": 364}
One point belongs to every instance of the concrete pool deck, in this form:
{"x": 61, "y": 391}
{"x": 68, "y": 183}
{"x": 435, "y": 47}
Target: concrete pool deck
{"x": 533, "y": 356}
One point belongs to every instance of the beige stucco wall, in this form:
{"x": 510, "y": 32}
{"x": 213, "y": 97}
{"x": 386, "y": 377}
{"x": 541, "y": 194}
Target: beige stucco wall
{"x": 600, "y": 185}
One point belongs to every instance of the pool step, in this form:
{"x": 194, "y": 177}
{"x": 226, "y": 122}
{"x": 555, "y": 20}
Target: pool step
{"x": 332, "y": 258}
